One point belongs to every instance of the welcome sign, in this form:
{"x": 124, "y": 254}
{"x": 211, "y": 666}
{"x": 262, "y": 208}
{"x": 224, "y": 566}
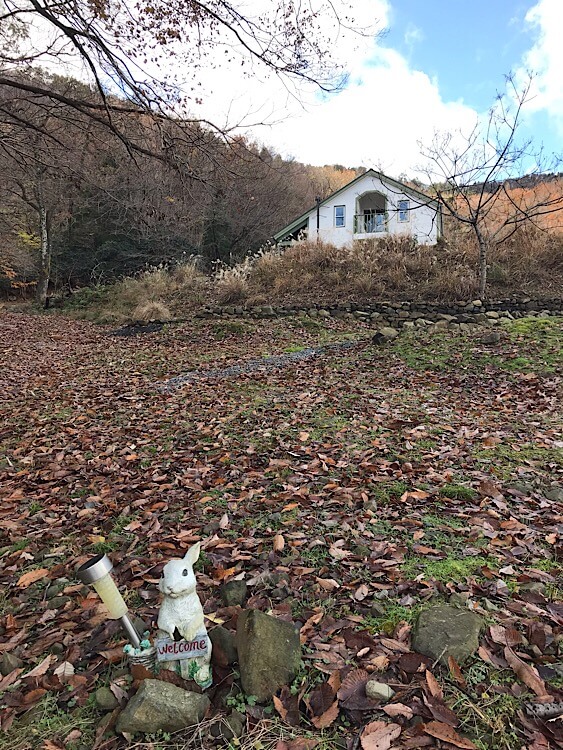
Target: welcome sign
{"x": 169, "y": 650}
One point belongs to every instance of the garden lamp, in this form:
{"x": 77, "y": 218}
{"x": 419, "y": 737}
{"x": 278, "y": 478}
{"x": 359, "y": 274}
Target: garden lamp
{"x": 97, "y": 573}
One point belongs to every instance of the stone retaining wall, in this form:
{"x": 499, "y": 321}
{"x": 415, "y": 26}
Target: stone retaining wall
{"x": 400, "y": 314}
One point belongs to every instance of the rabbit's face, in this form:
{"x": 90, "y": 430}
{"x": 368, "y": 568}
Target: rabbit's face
{"x": 178, "y": 578}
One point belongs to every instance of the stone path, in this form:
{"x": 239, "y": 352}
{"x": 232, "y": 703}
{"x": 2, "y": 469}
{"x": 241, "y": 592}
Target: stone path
{"x": 263, "y": 364}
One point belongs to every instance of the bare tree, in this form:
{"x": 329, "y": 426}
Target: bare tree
{"x": 118, "y": 42}
{"x": 492, "y": 180}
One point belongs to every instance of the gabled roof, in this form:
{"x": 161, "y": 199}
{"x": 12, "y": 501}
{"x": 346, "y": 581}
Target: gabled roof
{"x": 405, "y": 189}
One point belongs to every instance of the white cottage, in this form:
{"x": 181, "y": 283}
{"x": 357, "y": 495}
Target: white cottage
{"x": 372, "y": 205}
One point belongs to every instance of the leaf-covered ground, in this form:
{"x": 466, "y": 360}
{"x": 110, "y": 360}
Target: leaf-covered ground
{"x": 350, "y": 491}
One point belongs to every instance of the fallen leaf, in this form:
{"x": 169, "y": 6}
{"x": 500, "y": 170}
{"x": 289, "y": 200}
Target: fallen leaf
{"x": 455, "y": 672}
{"x": 361, "y": 592}
{"x": 287, "y": 705}
{"x": 328, "y": 584}
{"x": 42, "y": 667}
{"x": 9, "y": 679}
{"x": 524, "y": 672}
{"x": 28, "y": 578}
{"x": 279, "y": 542}
{"x": 33, "y": 696}
{"x": 398, "y": 709}
{"x": 448, "y": 734}
{"x": 378, "y": 735}
{"x": 64, "y": 671}
{"x": 48, "y": 745}
{"x": 433, "y": 685}
{"x": 327, "y": 718}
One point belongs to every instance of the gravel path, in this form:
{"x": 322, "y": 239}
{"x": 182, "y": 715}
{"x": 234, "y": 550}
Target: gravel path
{"x": 263, "y": 364}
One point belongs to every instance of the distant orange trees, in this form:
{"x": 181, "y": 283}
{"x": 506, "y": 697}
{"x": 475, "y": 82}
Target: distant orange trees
{"x": 474, "y": 177}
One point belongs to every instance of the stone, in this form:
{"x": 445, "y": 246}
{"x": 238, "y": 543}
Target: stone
{"x": 526, "y": 487}
{"x": 492, "y": 337}
{"x": 443, "y": 631}
{"x": 379, "y": 690}
{"x": 385, "y": 334}
{"x": 224, "y": 646}
{"x": 555, "y": 494}
{"x": 229, "y": 727}
{"x": 161, "y": 707}
{"x": 377, "y": 609}
{"x": 55, "y": 588}
{"x": 492, "y": 314}
{"x": 57, "y": 602}
{"x": 105, "y": 699}
{"x": 533, "y": 587}
{"x": 269, "y": 653}
{"x": 9, "y": 663}
{"x": 233, "y": 593}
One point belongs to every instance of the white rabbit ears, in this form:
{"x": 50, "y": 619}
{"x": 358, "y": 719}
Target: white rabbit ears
{"x": 192, "y": 554}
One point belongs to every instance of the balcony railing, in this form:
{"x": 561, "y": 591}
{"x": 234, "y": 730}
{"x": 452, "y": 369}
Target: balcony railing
{"x": 370, "y": 223}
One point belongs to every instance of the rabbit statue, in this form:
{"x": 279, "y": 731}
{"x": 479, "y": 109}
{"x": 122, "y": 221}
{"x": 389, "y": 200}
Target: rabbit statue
{"x": 181, "y": 616}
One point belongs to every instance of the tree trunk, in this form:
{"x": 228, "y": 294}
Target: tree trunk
{"x": 44, "y": 258}
{"x": 483, "y": 257}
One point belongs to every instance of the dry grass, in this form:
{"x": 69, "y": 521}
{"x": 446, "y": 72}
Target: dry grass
{"x": 231, "y": 285}
{"x": 394, "y": 268}
{"x": 265, "y": 735}
{"x": 151, "y": 311}
{"x": 155, "y": 294}
{"x": 531, "y": 262}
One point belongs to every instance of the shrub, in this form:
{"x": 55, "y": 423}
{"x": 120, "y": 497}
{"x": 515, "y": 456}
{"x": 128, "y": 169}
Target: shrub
{"x": 232, "y": 285}
{"x": 149, "y": 311}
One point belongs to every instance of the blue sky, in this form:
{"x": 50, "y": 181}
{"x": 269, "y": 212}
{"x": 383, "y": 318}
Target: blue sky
{"x": 466, "y": 46}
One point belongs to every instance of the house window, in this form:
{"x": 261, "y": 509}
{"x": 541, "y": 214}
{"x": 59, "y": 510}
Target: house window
{"x": 340, "y": 216}
{"x": 404, "y": 207}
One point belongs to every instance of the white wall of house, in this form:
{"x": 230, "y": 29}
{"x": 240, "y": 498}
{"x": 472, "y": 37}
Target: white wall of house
{"x": 422, "y": 221}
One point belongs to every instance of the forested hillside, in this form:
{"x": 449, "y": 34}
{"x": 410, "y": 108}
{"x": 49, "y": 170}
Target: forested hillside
{"x": 113, "y": 204}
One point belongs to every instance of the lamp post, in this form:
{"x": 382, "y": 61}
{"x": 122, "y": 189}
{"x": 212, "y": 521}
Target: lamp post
{"x": 96, "y": 572}
{"x": 318, "y": 202}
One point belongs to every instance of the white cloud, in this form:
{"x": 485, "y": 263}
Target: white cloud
{"x": 545, "y": 58}
{"x": 377, "y": 120}
{"x": 413, "y": 35}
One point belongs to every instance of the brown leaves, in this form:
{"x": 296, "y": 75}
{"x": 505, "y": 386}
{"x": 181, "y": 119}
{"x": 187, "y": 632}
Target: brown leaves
{"x": 524, "y": 672}
{"x": 32, "y": 577}
{"x": 447, "y": 734}
{"x": 455, "y": 672}
{"x": 287, "y": 705}
{"x": 378, "y": 735}
{"x": 308, "y": 520}
{"x": 42, "y": 667}
{"x": 323, "y": 706}
{"x": 398, "y": 709}
{"x": 352, "y": 692}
